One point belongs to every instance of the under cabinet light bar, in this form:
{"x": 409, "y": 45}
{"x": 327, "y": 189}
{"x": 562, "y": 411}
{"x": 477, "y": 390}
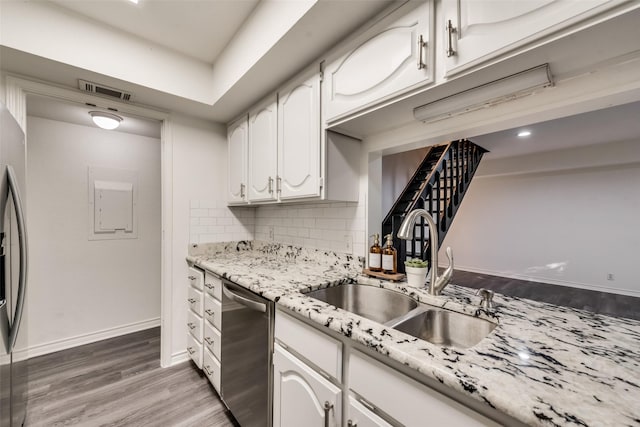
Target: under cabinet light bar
{"x": 486, "y": 95}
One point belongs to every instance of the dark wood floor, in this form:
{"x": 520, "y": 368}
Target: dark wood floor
{"x": 119, "y": 382}
{"x": 593, "y": 301}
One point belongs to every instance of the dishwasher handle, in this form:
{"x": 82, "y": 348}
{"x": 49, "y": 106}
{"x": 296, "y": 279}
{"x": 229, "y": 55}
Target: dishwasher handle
{"x": 253, "y": 305}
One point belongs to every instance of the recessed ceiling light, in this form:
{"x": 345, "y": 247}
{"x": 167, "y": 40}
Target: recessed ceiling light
{"x": 134, "y": 1}
{"x": 105, "y": 120}
{"x": 524, "y": 133}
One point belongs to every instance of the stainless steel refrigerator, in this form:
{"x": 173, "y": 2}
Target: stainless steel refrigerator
{"x": 13, "y": 272}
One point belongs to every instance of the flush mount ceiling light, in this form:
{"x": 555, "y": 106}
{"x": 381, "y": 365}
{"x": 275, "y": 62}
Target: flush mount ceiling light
{"x": 487, "y": 95}
{"x": 105, "y": 120}
{"x": 524, "y": 133}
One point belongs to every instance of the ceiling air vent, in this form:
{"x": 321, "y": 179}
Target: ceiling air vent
{"x": 104, "y": 90}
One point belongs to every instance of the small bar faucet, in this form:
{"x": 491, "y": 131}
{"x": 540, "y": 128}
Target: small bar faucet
{"x": 436, "y": 284}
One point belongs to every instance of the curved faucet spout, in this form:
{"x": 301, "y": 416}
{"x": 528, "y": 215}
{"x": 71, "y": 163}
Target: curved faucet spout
{"x": 436, "y": 284}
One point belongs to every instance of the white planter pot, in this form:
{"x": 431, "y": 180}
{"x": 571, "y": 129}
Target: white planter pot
{"x": 416, "y": 277}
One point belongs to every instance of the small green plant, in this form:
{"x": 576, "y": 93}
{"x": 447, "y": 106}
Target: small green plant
{"x": 415, "y": 263}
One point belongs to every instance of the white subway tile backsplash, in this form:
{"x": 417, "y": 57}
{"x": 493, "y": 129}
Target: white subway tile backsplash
{"x": 338, "y": 226}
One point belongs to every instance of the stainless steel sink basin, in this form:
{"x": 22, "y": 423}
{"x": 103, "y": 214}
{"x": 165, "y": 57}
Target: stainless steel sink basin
{"x": 379, "y": 304}
{"x": 446, "y": 328}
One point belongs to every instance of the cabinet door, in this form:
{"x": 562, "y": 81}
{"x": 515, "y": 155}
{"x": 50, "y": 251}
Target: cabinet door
{"x": 300, "y": 395}
{"x": 361, "y": 416}
{"x": 385, "y": 61}
{"x": 237, "y": 139}
{"x": 263, "y": 146}
{"x": 299, "y": 139}
{"x": 479, "y": 30}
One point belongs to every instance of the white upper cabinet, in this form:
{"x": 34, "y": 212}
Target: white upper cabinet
{"x": 475, "y": 31}
{"x": 391, "y": 58}
{"x": 263, "y": 145}
{"x": 237, "y": 137}
{"x": 299, "y": 138}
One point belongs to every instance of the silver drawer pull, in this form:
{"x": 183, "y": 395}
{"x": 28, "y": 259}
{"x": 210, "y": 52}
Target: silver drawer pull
{"x": 351, "y": 424}
{"x": 192, "y": 277}
{"x": 191, "y": 326}
{"x": 209, "y": 312}
{"x": 208, "y": 340}
{"x": 191, "y": 300}
{"x": 327, "y": 407}
{"x": 190, "y": 350}
{"x": 208, "y": 285}
{"x": 207, "y": 371}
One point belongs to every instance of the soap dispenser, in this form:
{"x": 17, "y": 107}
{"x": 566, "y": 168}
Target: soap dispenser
{"x": 389, "y": 256}
{"x": 375, "y": 254}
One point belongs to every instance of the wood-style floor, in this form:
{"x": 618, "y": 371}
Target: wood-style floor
{"x": 119, "y": 382}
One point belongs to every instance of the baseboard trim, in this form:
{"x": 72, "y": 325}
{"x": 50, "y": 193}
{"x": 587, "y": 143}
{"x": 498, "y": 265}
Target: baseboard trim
{"x": 179, "y": 357}
{"x": 63, "y": 344}
{"x": 567, "y": 283}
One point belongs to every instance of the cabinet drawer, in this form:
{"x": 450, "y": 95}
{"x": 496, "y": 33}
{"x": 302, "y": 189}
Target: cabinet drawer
{"x": 212, "y": 339}
{"x": 194, "y": 325}
{"x": 318, "y": 348}
{"x": 377, "y": 382}
{"x": 194, "y": 348}
{"x": 211, "y": 368}
{"x": 194, "y": 299}
{"x": 213, "y": 311}
{"x": 361, "y": 416}
{"x": 213, "y": 285}
{"x": 196, "y": 278}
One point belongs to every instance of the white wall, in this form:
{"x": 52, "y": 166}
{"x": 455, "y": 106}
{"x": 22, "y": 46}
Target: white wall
{"x": 81, "y": 290}
{"x": 199, "y": 173}
{"x": 566, "y": 217}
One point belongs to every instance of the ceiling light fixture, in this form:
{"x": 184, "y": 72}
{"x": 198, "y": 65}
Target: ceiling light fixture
{"x": 104, "y": 120}
{"x": 134, "y": 1}
{"x": 487, "y": 95}
{"x": 524, "y": 133}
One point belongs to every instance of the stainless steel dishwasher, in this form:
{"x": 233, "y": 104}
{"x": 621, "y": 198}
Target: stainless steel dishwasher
{"x": 247, "y": 348}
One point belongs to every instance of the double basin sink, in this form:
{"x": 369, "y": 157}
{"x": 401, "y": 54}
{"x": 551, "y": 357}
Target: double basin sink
{"x": 401, "y": 312}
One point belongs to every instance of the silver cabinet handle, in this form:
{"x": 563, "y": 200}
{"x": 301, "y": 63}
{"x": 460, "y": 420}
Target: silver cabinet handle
{"x": 270, "y": 185}
{"x": 351, "y": 424}
{"x": 191, "y": 277}
{"x": 327, "y": 407}
{"x": 450, "y": 31}
{"x": 208, "y": 340}
{"x": 22, "y": 275}
{"x": 208, "y": 286}
{"x": 191, "y": 326}
{"x": 191, "y": 300}
{"x": 207, "y": 371}
{"x": 190, "y": 350}
{"x": 278, "y": 184}
{"x": 209, "y": 312}
{"x": 421, "y": 45}
{"x": 242, "y": 191}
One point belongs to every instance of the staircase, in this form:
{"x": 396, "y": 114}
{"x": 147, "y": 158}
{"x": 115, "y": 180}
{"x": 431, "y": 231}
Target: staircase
{"x": 438, "y": 186}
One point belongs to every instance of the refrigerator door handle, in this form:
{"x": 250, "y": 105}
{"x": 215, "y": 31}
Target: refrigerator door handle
{"x": 22, "y": 237}
{"x": 4, "y": 324}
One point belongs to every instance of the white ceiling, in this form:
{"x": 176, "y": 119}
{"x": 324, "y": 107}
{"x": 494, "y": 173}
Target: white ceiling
{"x": 197, "y": 28}
{"x": 69, "y": 112}
{"x": 620, "y": 123}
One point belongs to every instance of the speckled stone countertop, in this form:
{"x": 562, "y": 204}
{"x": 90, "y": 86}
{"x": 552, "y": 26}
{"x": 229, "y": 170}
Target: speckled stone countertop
{"x": 543, "y": 364}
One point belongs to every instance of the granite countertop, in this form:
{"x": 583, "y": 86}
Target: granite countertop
{"x": 543, "y": 364}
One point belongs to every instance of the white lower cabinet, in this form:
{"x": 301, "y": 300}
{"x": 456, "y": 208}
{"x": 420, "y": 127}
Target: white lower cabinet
{"x": 211, "y": 368}
{"x": 195, "y": 309}
{"x": 361, "y": 416}
{"x": 405, "y": 399}
{"x": 301, "y": 396}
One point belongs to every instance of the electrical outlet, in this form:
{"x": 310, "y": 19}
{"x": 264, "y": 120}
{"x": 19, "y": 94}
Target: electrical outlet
{"x": 611, "y": 277}
{"x": 271, "y": 233}
{"x": 348, "y": 243}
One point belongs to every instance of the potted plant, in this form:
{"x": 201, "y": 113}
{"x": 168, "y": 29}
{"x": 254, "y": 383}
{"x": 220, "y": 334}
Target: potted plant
{"x": 416, "y": 270}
